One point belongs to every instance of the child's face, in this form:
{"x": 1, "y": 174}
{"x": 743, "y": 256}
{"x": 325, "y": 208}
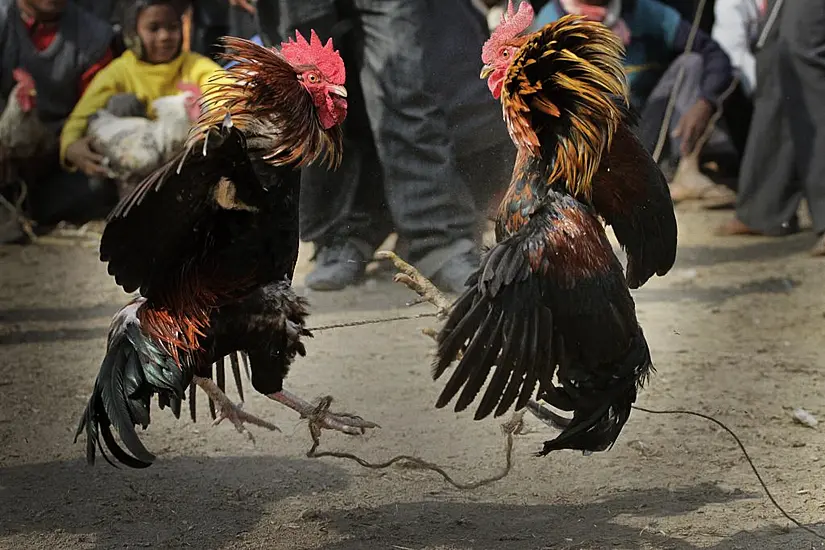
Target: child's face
{"x": 160, "y": 32}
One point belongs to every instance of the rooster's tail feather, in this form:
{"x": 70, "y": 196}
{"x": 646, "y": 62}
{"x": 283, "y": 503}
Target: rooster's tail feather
{"x": 132, "y": 371}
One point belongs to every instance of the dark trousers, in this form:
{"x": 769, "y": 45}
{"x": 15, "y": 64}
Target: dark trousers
{"x": 212, "y": 19}
{"x": 400, "y": 169}
{"x": 784, "y": 159}
{"x": 70, "y": 196}
{"x": 53, "y": 194}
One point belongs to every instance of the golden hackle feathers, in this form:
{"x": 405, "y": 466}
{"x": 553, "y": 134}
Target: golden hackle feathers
{"x": 568, "y": 81}
{"x": 265, "y": 100}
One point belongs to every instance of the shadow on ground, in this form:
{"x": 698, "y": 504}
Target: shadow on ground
{"x": 490, "y": 526}
{"x": 748, "y": 250}
{"x": 718, "y": 294}
{"x": 193, "y": 501}
{"x": 391, "y": 296}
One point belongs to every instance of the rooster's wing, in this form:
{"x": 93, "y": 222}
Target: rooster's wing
{"x": 160, "y": 238}
{"x": 549, "y": 299}
{"x": 632, "y": 195}
{"x": 547, "y": 295}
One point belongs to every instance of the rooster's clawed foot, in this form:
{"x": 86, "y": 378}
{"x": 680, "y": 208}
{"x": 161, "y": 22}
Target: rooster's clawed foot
{"x": 230, "y": 411}
{"x": 418, "y": 283}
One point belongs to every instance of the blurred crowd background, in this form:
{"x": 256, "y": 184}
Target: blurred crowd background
{"x": 95, "y": 93}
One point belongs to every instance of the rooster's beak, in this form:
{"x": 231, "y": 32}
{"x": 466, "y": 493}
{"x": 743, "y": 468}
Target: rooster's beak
{"x": 338, "y": 90}
{"x": 486, "y": 71}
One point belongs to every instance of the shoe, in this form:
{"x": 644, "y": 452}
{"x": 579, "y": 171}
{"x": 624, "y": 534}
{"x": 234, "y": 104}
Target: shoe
{"x": 452, "y": 276}
{"x": 339, "y": 265}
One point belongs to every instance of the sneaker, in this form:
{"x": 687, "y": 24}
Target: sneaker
{"x": 339, "y": 265}
{"x": 453, "y": 275}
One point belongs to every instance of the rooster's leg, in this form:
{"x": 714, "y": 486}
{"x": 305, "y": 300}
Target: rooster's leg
{"x": 320, "y": 416}
{"x": 547, "y": 416}
{"x": 418, "y": 283}
{"x": 230, "y": 410}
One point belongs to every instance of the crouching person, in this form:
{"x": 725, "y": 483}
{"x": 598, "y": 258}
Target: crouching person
{"x": 51, "y": 51}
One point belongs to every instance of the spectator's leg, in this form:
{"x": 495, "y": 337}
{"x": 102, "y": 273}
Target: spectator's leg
{"x": 485, "y": 152}
{"x": 768, "y": 195}
{"x": 802, "y": 80}
{"x": 431, "y": 206}
{"x": 687, "y": 94}
{"x": 653, "y": 113}
{"x": 242, "y": 23}
{"x": 70, "y": 196}
{"x": 269, "y": 20}
{"x": 342, "y": 212}
{"x": 737, "y": 115}
{"x": 278, "y": 19}
{"x": 210, "y": 21}
{"x": 488, "y": 173}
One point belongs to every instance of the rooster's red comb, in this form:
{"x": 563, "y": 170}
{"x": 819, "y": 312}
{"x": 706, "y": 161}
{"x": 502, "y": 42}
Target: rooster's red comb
{"x": 513, "y": 23}
{"x": 22, "y": 76}
{"x": 299, "y": 52}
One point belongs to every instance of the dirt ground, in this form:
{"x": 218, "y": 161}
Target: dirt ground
{"x": 736, "y": 331}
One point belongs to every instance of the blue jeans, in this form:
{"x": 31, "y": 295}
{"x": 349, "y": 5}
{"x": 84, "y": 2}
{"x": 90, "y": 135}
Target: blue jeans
{"x": 401, "y": 168}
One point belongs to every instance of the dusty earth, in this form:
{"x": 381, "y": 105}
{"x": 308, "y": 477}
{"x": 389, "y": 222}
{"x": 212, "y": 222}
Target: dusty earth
{"x": 736, "y": 331}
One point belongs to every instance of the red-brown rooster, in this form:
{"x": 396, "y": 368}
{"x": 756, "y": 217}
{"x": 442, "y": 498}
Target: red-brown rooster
{"x": 211, "y": 241}
{"x": 550, "y": 298}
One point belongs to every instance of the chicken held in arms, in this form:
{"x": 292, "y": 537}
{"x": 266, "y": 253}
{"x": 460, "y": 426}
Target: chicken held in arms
{"x": 211, "y": 240}
{"x": 550, "y": 299}
{"x": 134, "y": 146}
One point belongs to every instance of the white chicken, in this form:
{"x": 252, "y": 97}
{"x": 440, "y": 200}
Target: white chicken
{"x": 22, "y": 135}
{"x": 135, "y": 146}
{"x": 25, "y": 147}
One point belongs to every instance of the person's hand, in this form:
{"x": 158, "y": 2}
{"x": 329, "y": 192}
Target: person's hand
{"x": 245, "y": 5}
{"x": 80, "y": 155}
{"x": 693, "y": 124}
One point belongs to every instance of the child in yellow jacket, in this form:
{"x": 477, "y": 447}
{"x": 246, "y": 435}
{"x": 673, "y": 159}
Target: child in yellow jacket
{"x": 153, "y": 66}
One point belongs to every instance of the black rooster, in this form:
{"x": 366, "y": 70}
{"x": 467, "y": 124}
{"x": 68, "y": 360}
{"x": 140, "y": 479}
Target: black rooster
{"x": 211, "y": 242}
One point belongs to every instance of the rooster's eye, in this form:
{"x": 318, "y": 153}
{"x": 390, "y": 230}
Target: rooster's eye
{"x": 505, "y": 53}
{"x": 312, "y": 78}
